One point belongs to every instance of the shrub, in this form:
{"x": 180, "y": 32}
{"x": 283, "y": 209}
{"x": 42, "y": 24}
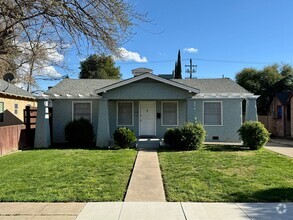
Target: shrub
{"x": 188, "y": 137}
{"x": 124, "y": 137}
{"x": 254, "y": 134}
{"x": 79, "y": 133}
{"x": 172, "y": 137}
{"x": 193, "y": 136}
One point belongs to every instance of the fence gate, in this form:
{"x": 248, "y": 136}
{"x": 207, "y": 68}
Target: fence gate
{"x": 30, "y": 119}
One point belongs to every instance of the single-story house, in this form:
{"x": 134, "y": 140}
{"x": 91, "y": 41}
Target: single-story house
{"x": 147, "y": 104}
{"x": 13, "y": 101}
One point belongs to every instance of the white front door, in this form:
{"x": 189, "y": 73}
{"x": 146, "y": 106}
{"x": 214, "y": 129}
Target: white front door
{"x": 147, "y": 118}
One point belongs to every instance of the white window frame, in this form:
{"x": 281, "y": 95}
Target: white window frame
{"x": 221, "y": 113}
{"x": 132, "y": 113}
{"x": 3, "y": 112}
{"x": 162, "y": 114}
{"x": 91, "y": 108}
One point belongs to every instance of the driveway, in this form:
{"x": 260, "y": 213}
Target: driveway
{"x": 281, "y": 146}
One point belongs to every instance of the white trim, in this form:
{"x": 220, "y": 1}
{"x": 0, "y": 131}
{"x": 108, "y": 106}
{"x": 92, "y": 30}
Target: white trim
{"x": 155, "y": 117}
{"x": 143, "y": 76}
{"x": 3, "y": 111}
{"x": 162, "y": 110}
{"x": 132, "y": 112}
{"x": 221, "y": 114}
{"x": 72, "y": 109}
{"x": 224, "y": 95}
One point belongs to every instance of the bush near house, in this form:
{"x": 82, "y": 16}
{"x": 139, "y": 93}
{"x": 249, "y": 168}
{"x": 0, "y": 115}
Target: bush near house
{"x": 79, "y": 133}
{"x": 172, "y": 137}
{"x": 254, "y": 134}
{"x": 124, "y": 137}
{"x": 188, "y": 137}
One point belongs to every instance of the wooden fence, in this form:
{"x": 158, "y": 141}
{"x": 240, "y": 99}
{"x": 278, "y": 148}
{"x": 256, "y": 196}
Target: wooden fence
{"x": 267, "y": 121}
{"x": 12, "y": 138}
{"x": 16, "y": 137}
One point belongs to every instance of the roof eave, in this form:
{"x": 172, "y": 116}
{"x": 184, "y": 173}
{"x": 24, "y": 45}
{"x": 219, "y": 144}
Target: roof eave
{"x": 17, "y": 95}
{"x": 143, "y": 76}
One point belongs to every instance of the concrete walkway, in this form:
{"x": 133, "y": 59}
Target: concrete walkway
{"x": 146, "y": 184}
{"x": 146, "y": 211}
{"x": 281, "y": 146}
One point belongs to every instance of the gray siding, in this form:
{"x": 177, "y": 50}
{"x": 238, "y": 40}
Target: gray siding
{"x": 62, "y": 114}
{"x": 147, "y": 90}
{"x": 160, "y": 130}
{"x": 232, "y": 120}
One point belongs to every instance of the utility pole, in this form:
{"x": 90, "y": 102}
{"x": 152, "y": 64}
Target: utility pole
{"x": 192, "y": 68}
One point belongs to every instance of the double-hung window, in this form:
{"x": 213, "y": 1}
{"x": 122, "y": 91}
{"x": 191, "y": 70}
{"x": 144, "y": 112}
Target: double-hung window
{"x": 170, "y": 113}
{"x": 212, "y": 113}
{"x": 125, "y": 113}
{"x": 16, "y": 108}
{"x": 82, "y": 110}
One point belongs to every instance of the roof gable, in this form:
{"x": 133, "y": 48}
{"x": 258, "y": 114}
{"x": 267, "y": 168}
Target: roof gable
{"x": 150, "y": 76}
{"x": 283, "y": 97}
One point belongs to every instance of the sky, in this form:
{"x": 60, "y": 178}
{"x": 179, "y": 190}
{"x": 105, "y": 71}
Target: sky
{"x": 221, "y": 37}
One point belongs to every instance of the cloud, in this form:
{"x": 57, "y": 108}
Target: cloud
{"x": 130, "y": 56}
{"x": 44, "y": 64}
{"x": 190, "y": 50}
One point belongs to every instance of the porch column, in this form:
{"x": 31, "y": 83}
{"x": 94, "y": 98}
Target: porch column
{"x": 191, "y": 108}
{"x": 42, "y": 133}
{"x": 251, "y": 110}
{"x": 103, "y": 131}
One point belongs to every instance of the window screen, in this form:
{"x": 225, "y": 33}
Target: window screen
{"x": 125, "y": 114}
{"x": 170, "y": 113}
{"x": 82, "y": 110}
{"x": 212, "y": 113}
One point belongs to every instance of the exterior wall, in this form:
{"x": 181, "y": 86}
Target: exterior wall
{"x": 62, "y": 114}
{"x": 279, "y": 126}
{"x": 10, "y": 118}
{"x": 160, "y": 130}
{"x": 232, "y": 120}
{"x": 147, "y": 89}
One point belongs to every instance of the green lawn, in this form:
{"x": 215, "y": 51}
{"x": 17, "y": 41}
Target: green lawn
{"x": 65, "y": 175}
{"x": 227, "y": 174}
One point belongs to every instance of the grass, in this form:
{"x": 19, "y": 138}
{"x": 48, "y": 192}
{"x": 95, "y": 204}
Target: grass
{"x": 65, "y": 175}
{"x": 227, "y": 174}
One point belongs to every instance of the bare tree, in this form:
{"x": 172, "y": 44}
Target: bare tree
{"x": 101, "y": 24}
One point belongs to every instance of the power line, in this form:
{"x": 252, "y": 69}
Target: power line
{"x": 201, "y": 59}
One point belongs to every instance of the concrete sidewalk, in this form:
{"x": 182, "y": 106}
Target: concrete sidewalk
{"x": 146, "y": 184}
{"x": 146, "y": 211}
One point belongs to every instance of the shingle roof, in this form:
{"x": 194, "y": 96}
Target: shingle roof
{"x": 88, "y": 86}
{"x": 80, "y": 86}
{"x": 13, "y": 90}
{"x": 220, "y": 85}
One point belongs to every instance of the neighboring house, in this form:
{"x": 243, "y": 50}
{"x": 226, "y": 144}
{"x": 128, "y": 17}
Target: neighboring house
{"x": 147, "y": 104}
{"x": 13, "y": 101}
{"x": 278, "y": 121}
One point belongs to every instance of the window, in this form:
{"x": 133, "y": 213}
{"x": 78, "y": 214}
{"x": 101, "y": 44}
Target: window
{"x": 82, "y": 110}
{"x": 170, "y": 113}
{"x": 125, "y": 113}
{"x": 16, "y": 109}
{"x": 279, "y": 111}
{"x": 1, "y": 111}
{"x": 212, "y": 113}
